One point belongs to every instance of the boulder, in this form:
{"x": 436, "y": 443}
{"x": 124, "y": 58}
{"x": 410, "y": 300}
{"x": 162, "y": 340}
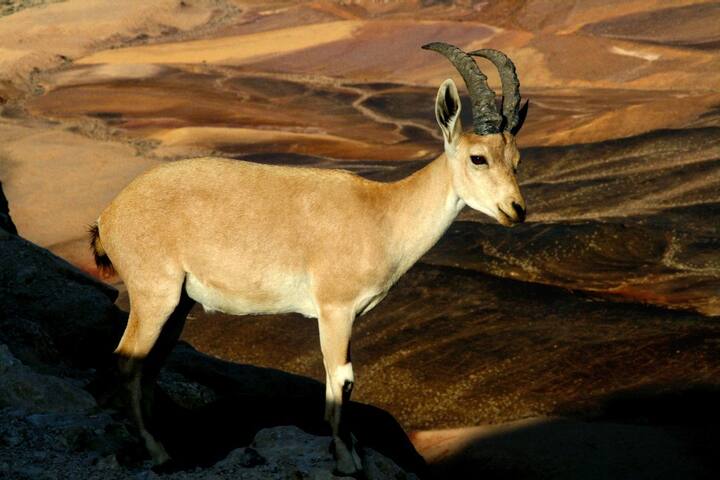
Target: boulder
{"x": 51, "y": 312}
{"x": 21, "y": 387}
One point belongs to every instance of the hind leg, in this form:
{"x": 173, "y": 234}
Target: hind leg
{"x": 165, "y": 343}
{"x": 150, "y": 309}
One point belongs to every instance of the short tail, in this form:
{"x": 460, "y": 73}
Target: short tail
{"x": 104, "y": 265}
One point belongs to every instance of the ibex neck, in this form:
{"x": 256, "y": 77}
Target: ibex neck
{"x": 421, "y": 207}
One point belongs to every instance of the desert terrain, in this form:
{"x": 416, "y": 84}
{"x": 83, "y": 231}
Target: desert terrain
{"x": 595, "y": 321}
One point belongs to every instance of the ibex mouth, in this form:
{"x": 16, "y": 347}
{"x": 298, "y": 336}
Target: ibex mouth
{"x": 509, "y": 220}
{"x": 504, "y": 219}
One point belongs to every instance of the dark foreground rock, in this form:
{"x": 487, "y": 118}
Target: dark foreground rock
{"x": 51, "y": 314}
{"x": 58, "y": 328}
{"x": 50, "y": 436}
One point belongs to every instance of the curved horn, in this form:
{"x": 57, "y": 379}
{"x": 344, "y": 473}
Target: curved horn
{"x": 486, "y": 118}
{"x": 510, "y": 84}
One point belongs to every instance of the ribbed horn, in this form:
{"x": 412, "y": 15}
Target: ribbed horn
{"x": 486, "y": 118}
{"x": 510, "y": 84}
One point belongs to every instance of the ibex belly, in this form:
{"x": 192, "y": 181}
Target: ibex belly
{"x": 283, "y": 295}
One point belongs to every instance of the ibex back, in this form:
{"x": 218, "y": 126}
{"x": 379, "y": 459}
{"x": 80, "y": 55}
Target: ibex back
{"x": 246, "y": 238}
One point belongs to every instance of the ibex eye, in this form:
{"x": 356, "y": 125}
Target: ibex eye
{"x": 478, "y": 160}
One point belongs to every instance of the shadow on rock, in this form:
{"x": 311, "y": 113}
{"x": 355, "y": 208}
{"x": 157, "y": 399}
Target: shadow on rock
{"x": 205, "y": 407}
{"x": 649, "y": 433}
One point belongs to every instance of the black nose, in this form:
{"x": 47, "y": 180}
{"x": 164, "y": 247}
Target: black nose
{"x": 519, "y": 211}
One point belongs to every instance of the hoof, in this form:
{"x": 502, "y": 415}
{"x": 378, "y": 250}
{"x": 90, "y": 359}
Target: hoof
{"x": 172, "y": 466}
{"x": 168, "y": 466}
{"x": 347, "y": 461}
{"x": 157, "y": 451}
{"x": 357, "y": 474}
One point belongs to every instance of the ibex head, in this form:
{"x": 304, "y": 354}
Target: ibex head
{"x": 484, "y": 162}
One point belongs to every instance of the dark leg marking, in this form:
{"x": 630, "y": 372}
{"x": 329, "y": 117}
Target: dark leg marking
{"x": 347, "y": 391}
{"x": 168, "y": 338}
{"x": 140, "y": 374}
{"x": 343, "y": 429}
{"x": 163, "y": 346}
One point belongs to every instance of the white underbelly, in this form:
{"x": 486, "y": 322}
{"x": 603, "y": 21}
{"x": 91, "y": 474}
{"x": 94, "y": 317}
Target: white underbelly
{"x": 287, "y": 295}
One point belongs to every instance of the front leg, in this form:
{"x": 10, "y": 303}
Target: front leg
{"x": 329, "y": 402}
{"x": 335, "y": 325}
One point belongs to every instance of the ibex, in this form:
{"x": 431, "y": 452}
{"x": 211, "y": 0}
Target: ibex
{"x": 245, "y": 238}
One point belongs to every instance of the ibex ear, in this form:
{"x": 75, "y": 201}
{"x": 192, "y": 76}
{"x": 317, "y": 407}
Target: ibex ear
{"x": 447, "y": 111}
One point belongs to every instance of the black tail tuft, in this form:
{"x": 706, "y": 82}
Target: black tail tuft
{"x": 102, "y": 261}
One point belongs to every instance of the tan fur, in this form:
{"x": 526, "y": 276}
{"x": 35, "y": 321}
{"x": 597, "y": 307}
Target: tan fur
{"x": 251, "y": 238}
